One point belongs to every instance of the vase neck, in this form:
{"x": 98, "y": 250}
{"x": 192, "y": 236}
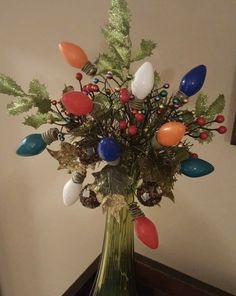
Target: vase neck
{"x": 116, "y": 272}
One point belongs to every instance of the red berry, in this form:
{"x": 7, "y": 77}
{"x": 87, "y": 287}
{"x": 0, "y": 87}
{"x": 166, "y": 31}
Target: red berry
{"x": 194, "y": 155}
{"x": 122, "y": 124}
{"x": 139, "y": 116}
{"x": 132, "y": 130}
{"x": 203, "y": 135}
{"x": 201, "y": 121}
{"x": 53, "y": 102}
{"x": 124, "y": 90}
{"x": 94, "y": 88}
{"x": 88, "y": 87}
{"x": 219, "y": 119}
{"x": 124, "y": 95}
{"x": 221, "y": 130}
{"x": 79, "y": 76}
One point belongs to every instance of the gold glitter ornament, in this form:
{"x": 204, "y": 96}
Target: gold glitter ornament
{"x": 115, "y": 203}
{"x": 67, "y": 158}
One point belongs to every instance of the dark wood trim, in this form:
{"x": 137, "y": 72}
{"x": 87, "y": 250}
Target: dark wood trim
{"x": 233, "y": 138}
{"x": 171, "y": 282}
{"x": 153, "y": 279}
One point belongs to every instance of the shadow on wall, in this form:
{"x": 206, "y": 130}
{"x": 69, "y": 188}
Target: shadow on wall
{"x": 19, "y": 247}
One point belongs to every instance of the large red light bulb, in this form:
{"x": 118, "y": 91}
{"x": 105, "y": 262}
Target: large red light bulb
{"x": 77, "y": 103}
{"x": 146, "y": 232}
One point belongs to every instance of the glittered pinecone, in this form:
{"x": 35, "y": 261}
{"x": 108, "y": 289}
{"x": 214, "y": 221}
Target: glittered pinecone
{"x": 88, "y": 199}
{"x": 149, "y": 194}
{"x": 87, "y": 156}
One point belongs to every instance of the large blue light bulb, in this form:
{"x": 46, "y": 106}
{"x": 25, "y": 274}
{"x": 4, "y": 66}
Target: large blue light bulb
{"x": 109, "y": 149}
{"x": 193, "y": 81}
{"x": 31, "y": 145}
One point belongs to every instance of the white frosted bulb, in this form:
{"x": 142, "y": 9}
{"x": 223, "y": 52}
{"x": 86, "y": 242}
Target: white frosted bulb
{"x": 143, "y": 81}
{"x": 71, "y": 192}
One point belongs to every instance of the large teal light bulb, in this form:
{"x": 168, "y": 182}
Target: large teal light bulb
{"x": 35, "y": 143}
{"x": 31, "y": 145}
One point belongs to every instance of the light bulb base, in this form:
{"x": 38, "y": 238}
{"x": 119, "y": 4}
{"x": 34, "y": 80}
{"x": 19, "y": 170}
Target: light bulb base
{"x": 89, "y": 69}
{"x": 135, "y": 211}
{"x": 182, "y": 96}
{"x": 50, "y": 136}
{"x": 78, "y": 178}
{"x": 136, "y": 104}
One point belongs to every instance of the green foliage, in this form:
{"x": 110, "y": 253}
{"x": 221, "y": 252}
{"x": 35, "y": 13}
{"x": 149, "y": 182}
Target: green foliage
{"x": 107, "y": 63}
{"x": 38, "y": 90}
{"x": 157, "y": 79}
{"x": 145, "y": 50}
{"x": 36, "y": 120}
{"x": 117, "y": 37}
{"x": 216, "y": 107}
{"x": 9, "y": 87}
{"x": 112, "y": 180}
{"x": 37, "y": 97}
{"x": 201, "y": 105}
{"x": 40, "y": 97}
{"x": 203, "y": 108}
{"x": 116, "y": 34}
{"x": 102, "y": 100}
{"x": 20, "y": 105}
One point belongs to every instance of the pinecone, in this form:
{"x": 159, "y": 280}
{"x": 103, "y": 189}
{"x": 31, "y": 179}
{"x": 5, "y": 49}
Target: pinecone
{"x": 88, "y": 199}
{"x": 87, "y": 156}
{"x": 149, "y": 194}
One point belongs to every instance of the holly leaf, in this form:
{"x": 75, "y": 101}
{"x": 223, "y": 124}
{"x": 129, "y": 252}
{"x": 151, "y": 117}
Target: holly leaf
{"x": 216, "y": 107}
{"x": 43, "y": 105}
{"x": 36, "y": 120}
{"x": 20, "y": 105}
{"x": 40, "y": 97}
{"x": 38, "y": 89}
{"x": 112, "y": 180}
{"x": 157, "y": 79}
{"x": 201, "y": 105}
{"x": 9, "y": 87}
{"x": 145, "y": 50}
{"x": 188, "y": 117}
{"x": 102, "y": 101}
{"x": 107, "y": 63}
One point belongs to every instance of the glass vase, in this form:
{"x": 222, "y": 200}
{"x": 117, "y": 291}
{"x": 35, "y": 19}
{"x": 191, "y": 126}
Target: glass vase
{"x": 116, "y": 274}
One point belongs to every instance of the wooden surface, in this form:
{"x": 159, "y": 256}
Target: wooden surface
{"x": 153, "y": 279}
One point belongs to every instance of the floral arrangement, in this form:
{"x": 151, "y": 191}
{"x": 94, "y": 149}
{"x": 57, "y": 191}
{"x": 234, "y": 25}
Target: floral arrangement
{"x": 126, "y": 127}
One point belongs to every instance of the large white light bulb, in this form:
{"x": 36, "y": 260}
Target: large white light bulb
{"x": 71, "y": 192}
{"x": 72, "y": 189}
{"x": 143, "y": 81}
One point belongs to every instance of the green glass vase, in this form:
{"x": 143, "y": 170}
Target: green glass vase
{"x": 116, "y": 274}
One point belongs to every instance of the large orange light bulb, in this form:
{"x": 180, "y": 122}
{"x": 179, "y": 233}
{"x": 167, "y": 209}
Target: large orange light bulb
{"x": 76, "y": 57}
{"x": 170, "y": 133}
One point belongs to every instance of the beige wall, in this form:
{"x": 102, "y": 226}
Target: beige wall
{"x": 45, "y": 246}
